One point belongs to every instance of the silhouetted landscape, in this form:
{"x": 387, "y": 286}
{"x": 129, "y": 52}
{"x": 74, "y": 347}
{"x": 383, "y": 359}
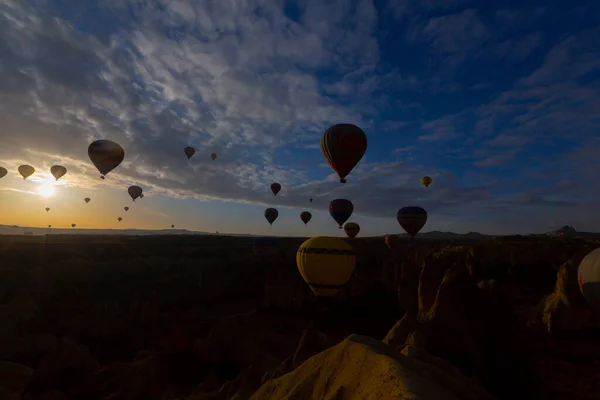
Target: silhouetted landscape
{"x": 205, "y": 317}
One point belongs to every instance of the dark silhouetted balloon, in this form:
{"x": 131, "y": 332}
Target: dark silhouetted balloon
{"x": 172, "y": 226}
{"x": 305, "y": 216}
{"x": 391, "y": 241}
{"x": 106, "y": 155}
{"x": 126, "y": 209}
{"x": 213, "y": 156}
{"x": 58, "y": 171}
{"x": 343, "y": 146}
{"x": 142, "y": 196}
{"x": 340, "y": 210}
{"x": 3, "y": 172}
{"x": 26, "y": 171}
{"x": 87, "y": 200}
{"x": 73, "y": 225}
{"x": 326, "y": 264}
{"x": 275, "y": 188}
{"x": 119, "y": 219}
{"x": 189, "y": 152}
{"x": 310, "y": 200}
{"x": 351, "y": 229}
{"x": 134, "y": 192}
{"x": 271, "y": 215}
{"x": 412, "y": 219}
{"x": 47, "y": 209}
{"x": 426, "y": 181}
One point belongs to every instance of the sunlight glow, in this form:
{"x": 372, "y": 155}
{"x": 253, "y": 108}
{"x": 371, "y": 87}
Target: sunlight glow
{"x": 46, "y": 189}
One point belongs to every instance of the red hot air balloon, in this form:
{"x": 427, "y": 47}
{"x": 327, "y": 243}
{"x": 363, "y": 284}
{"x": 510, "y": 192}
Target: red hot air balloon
{"x": 343, "y": 146}
{"x": 305, "y": 216}
{"x": 340, "y": 210}
{"x": 106, "y": 155}
{"x": 275, "y": 188}
{"x": 412, "y": 219}
{"x": 271, "y": 215}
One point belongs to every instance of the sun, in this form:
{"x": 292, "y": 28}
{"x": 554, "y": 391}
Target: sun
{"x": 46, "y": 190}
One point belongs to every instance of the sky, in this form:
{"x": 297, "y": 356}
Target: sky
{"x": 497, "y": 101}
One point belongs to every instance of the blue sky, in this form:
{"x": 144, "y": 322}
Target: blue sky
{"x": 497, "y": 101}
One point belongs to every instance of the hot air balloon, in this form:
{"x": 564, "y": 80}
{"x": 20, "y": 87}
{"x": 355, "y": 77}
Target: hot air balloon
{"x": 3, "y": 172}
{"x": 426, "y": 181}
{"x": 26, "y": 171}
{"x": 341, "y": 210}
{"x": 73, "y": 225}
{"x": 142, "y": 196}
{"x": 106, "y": 155}
{"x": 310, "y": 199}
{"x": 275, "y": 188}
{"x": 412, "y": 219}
{"x": 47, "y": 209}
{"x": 58, "y": 171}
{"x": 119, "y": 219}
{"x": 351, "y": 229}
{"x": 343, "y": 146}
{"x": 134, "y": 192}
{"x": 391, "y": 241}
{"x": 271, "y": 215}
{"x": 326, "y": 264}
{"x": 172, "y": 226}
{"x": 49, "y": 226}
{"x": 87, "y": 200}
{"x": 589, "y": 279}
{"x": 213, "y": 156}
{"x": 305, "y": 216}
{"x": 189, "y": 152}
{"x": 265, "y": 247}
{"x": 126, "y": 209}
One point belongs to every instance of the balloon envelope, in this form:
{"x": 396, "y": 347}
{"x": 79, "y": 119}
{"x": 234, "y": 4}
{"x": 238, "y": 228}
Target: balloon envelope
{"x": 87, "y": 199}
{"x": 58, "y": 171}
{"x": 106, "y": 155}
{"x": 271, "y": 215}
{"x": 343, "y": 146}
{"x": 26, "y": 171}
{"x": 189, "y": 152}
{"x": 351, "y": 229}
{"x": 391, "y": 241}
{"x": 340, "y": 210}
{"x": 73, "y": 225}
{"x": 126, "y": 208}
{"x": 412, "y": 219}
{"x": 588, "y": 277}
{"x": 275, "y": 188}
{"x": 305, "y": 216}
{"x": 213, "y": 155}
{"x": 134, "y": 192}
{"x": 120, "y": 219}
{"x": 47, "y": 209}
{"x": 3, "y": 172}
{"x": 326, "y": 264}
{"x": 426, "y": 181}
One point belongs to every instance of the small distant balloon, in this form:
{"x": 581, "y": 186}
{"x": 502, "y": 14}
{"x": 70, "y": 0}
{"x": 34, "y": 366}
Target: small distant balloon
{"x": 172, "y": 226}
{"x": 275, "y": 188}
{"x": 340, "y": 210}
{"x": 119, "y": 219}
{"x": 47, "y": 209}
{"x": 142, "y": 196}
{"x": 126, "y": 209}
{"x": 305, "y": 216}
{"x": 73, "y": 225}
{"x": 343, "y": 146}
{"x": 3, "y": 172}
{"x": 106, "y": 155}
{"x": 426, "y": 181}
{"x": 391, "y": 241}
{"x": 271, "y": 215}
{"x": 134, "y": 192}
{"x": 310, "y": 199}
{"x": 49, "y": 226}
{"x": 189, "y": 152}
{"x": 412, "y": 219}
{"x": 26, "y": 171}
{"x": 213, "y": 156}
{"x": 58, "y": 171}
{"x": 351, "y": 229}
{"x": 87, "y": 200}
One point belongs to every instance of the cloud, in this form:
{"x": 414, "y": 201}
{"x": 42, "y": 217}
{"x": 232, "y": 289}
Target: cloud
{"x": 443, "y": 88}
